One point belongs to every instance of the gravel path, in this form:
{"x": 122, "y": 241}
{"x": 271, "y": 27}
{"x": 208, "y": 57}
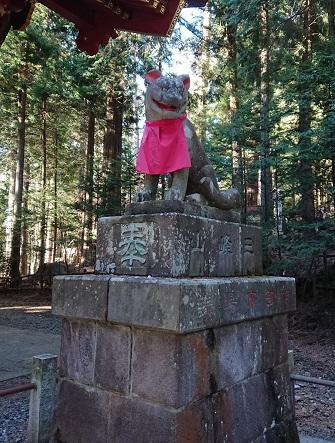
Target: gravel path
{"x": 315, "y": 404}
{"x": 31, "y": 312}
{"x": 14, "y": 413}
{"x": 35, "y": 321}
{"x": 312, "y": 338}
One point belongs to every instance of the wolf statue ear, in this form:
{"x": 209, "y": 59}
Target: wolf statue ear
{"x": 186, "y": 80}
{"x": 152, "y": 75}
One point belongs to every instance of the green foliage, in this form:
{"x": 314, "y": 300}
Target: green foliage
{"x": 64, "y": 86}
{"x": 303, "y": 247}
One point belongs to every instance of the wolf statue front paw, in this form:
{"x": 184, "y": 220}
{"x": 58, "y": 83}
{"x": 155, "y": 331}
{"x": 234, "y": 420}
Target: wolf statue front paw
{"x": 173, "y": 194}
{"x": 144, "y": 195}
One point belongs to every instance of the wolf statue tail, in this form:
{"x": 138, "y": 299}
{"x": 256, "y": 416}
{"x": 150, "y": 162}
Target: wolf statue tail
{"x": 228, "y": 199}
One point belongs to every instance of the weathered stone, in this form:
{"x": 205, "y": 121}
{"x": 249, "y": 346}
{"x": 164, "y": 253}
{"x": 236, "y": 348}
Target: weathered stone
{"x": 284, "y": 432}
{"x": 82, "y": 414}
{"x": 112, "y": 362}
{"x": 151, "y": 359}
{"x": 195, "y": 423}
{"x": 96, "y": 354}
{"x": 187, "y": 305}
{"x": 44, "y": 375}
{"x": 184, "y": 368}
{"x": 188, "y": 207}
{"x": 251, "y": 250}
{"x": 92, "y": 415}
{"x": 286, "y": 293}
{"x": 290, "y": 359}
{"x": 246, "y": 410}
{"x": 144, "y": 301}
{"x": 237, "y": 353}
{"x": 227, "y": 260}
{"x": 80, "y": 296}
{"x": 78, "y": 349}
{"x": 258, "y": 406}
{"x": 196, "y": 198}
{"x": 133, "y": 420}
{"x": 279, "y": 382}
{"x": 178, "y": 372}
{"x": 274, "y": 341}
{"x": 176, "y": 245}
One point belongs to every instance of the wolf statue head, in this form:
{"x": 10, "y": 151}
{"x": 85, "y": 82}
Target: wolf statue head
{"x": 166, "y": 95}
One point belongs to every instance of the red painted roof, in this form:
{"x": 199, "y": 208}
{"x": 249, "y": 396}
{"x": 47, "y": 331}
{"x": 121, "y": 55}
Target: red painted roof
{"x": 98, "y": 20}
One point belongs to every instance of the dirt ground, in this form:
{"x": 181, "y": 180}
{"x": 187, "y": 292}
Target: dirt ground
{"x": 312, "y": 338}
{"x": 28, "y": 310}
{"x": 24, "y": 297}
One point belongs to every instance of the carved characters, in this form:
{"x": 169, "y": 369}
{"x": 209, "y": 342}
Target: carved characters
{"x": 132, "y": 246}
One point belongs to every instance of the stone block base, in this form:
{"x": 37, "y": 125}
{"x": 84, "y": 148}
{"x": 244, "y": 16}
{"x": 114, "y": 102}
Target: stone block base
{"x": 258, "y": 409}
{"x": 163, "y": 360}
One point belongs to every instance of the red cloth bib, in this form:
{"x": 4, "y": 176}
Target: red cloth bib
{"x": 163, "y": 147}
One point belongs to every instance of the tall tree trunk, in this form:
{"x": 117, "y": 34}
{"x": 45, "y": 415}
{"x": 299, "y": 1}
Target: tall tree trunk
{"x": 25, "y": 234}
{"x": 266, "y": 179}
{"x": 305, "y": 167}
{"x": 11, "y": 204}
{"x": 14, "y": 272}
{"x": 55, "y": 209}
{"x": 237, "y": 160}
{"x": 81, "y": 197}
{"x": 49, "y": 232}
{"x": 331, "y": 104}
{"x": 204, "y": 63}
{"x": 44, "y": 186}
{"x": 89, "y": 182}
{"x": 112, "y": 153}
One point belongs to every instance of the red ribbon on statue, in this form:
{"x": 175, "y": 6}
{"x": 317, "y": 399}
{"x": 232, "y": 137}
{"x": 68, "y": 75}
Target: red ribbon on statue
{"x": 163, "y": 147}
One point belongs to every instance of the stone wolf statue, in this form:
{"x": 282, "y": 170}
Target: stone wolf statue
{"x": 170, "y": 145}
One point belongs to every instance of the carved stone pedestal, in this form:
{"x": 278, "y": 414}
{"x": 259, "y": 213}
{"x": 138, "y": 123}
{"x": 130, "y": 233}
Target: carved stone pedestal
{"x": 160, "y": 359}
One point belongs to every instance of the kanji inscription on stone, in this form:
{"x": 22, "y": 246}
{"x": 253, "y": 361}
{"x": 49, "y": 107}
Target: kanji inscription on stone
{"x": 230, "y": 301}
{"x": 197, "y": 256}
{"x": 225, "y": 245}
{"x": 269, "y": 297}
{"x": 248, "y": 245}
{"x": 286, "y": 295}
{"x": 133, "y": 244}
{"x": 251, "y": 297}
{"x": 197, "y": 242}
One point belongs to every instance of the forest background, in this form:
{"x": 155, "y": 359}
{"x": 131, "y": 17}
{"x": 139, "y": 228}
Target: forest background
{"x": 264, "y": 108}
